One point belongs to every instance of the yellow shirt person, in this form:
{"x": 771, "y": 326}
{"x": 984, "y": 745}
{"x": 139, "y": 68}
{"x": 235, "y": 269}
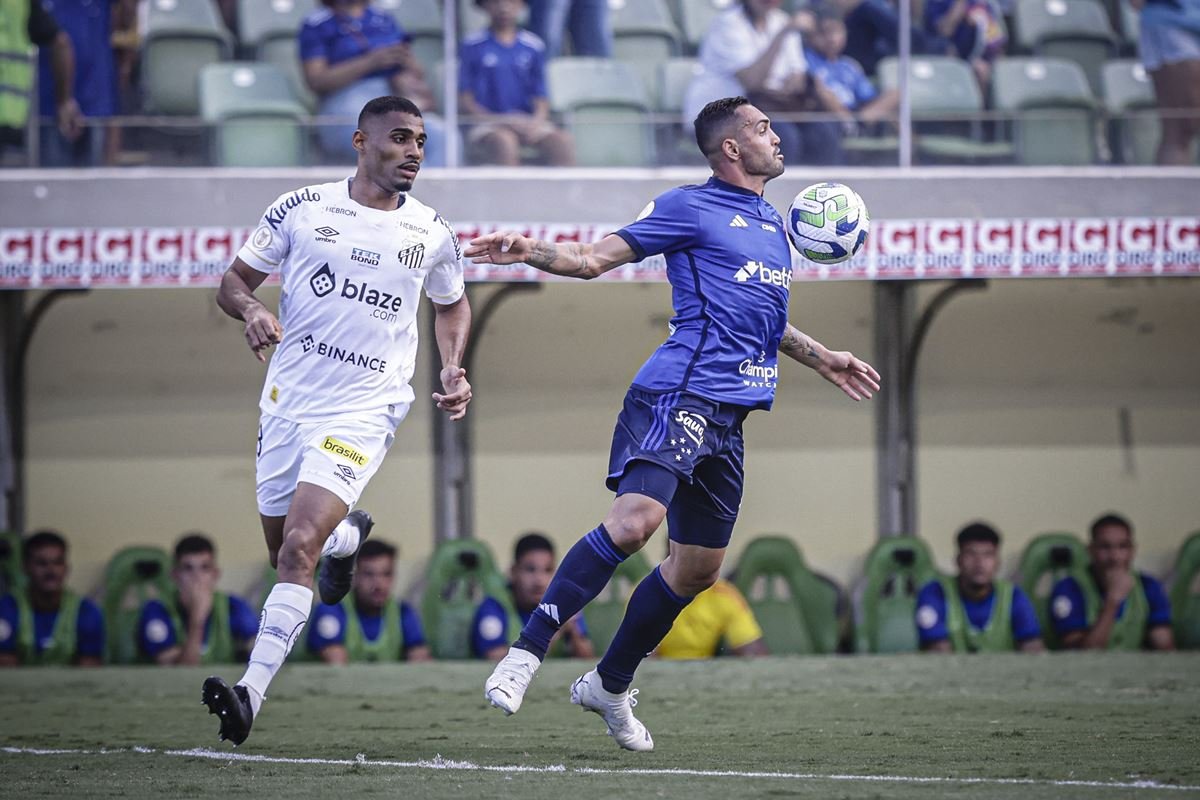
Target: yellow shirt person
{"x": 719, "y": 613}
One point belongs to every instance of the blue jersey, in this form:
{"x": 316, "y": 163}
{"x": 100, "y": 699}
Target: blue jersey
{"x": 730, "y": 269}
{"x": 156, "y": 631}
{"x": 489, "y": 628}
{"x": 931, "y": 614}
{"x": 89, "y": 628}
{"x": 337, "y": 38}
{"x": 844, "y": 77}
{"x": 503, "y": 78}
{"x": 88, "y": 23}
{"x": 1069, "y": 607}
{"x": 327, "y": 626}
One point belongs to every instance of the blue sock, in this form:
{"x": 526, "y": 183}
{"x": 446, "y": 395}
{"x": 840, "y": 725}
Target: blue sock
{"x": 648, "y": 618}
{"x": 583, "y": 573}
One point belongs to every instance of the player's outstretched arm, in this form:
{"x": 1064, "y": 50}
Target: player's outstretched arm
{"x": 843, "y": 369}
{"x": 451, "y": 328}
{"x": 236, "y": 298}
{"x": 570, "y": 259}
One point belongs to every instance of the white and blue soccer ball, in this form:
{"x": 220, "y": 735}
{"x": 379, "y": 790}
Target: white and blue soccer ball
{"x": 828, "y": 223}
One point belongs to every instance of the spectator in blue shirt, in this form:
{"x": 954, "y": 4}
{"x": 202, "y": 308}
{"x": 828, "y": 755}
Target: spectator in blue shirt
{"x": 369, "y": 624}
{"x": 502, "y": 84}
{"x": 591, "y": 31}
{"x": 842, "y": 75}
{"x": 533, "y": 567}
{"x": 199, "y": 625}
{"x": 351, "y": 54}
{"x": 47, "y": 623}
{"x": 1111, "y": 606}
{"x": 975, "y": 611}
{"x": 974, "y": 30}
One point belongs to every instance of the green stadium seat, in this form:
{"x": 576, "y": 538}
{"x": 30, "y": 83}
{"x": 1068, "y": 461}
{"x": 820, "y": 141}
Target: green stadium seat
{"x": 256, "y": 121}
{"x": 460, "y": 575}
{"x": 422, "y": 20}
{"x": 695, "y": 18}
{"x": 1185, "y": 595}
{"x": 133, "y": 576}
{"x": 604, "y": 614}
{"x": 676, "y": 139}
{"x": 886, "y": 599}
{"x": 1075, "y": 30}
{"x": 285, "y": 55}
{"x": 1054, "y": 111}
{"x": 1133, "y": 117}
{"x": 942, "y": 90}
{"x": 180, "y": 39}
{"x": 1046, "y": 559}
{"x": 604, "y": 105}
{"x": 643, "y": 32}
{"x": 12, "y": 570}
{"x": 796, "y": 608}
{"x": 260, "y": 21}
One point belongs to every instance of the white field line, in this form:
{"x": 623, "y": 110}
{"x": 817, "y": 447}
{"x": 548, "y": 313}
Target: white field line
{"x": 439, "y": 763}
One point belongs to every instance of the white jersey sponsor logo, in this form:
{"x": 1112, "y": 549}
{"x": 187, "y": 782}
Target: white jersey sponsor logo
{"x": 351, "y": 283}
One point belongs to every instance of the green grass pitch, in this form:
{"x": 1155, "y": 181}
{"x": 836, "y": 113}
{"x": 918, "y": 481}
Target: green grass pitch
{"x": 1027, "y": 727}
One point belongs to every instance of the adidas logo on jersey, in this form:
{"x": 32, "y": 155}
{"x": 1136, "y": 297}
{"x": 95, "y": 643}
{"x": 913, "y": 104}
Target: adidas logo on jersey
{"x": 738, "y": 222}
{"x": 550, "y": 610}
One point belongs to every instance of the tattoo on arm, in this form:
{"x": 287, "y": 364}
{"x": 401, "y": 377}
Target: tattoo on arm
{"x": 797, "y": 345}
{"x": 569, "y": 259}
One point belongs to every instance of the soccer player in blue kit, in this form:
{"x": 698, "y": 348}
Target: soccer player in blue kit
{"x": 677, "y": 448}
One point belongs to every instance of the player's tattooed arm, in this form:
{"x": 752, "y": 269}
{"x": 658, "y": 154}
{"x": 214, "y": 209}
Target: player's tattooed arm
{"x": 855, "y": 377}
{"x": 569, "y": 259}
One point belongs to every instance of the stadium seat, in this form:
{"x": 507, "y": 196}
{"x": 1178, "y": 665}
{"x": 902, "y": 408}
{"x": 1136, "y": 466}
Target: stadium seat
{"x": 460, "y": 575}
{"x": 1046, "y": 559}
{"x": 133, "y": 576}
{"x": 796, "y": 608}
{"x": 12, "y": 572}
{"x": 886, "y": 599}
{"x": 604, "y": 614}
{"x": 256, "y": 123}
{"x": 1133, "y": 118}
{"x": 1075, "y": 30}
{"x": 1054, "y": 112}
{"x": 677, "y": 142}
{"x": 285, "y": 54}
{"x": 944, "y": 94}
{"x": 180, "y": 39}
{"x": 260, "y": 22}
{"x": 422, "y": 20}
{"x": 604, "y": 105}
{"x": 695, "y": 18}
{"x": 644, "y": 35}
{"x": 1185, "y": 595}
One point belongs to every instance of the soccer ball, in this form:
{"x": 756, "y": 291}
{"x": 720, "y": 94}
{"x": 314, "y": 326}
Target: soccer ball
{"x": 827, "y": 223}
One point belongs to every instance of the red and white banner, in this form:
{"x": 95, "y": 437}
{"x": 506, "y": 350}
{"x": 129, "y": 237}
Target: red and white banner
{"x": 896, "y": 250}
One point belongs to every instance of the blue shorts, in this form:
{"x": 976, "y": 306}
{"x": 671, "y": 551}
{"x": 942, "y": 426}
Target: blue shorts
{"x": 686, "y": 452}
{"x": 1162, "y": 44}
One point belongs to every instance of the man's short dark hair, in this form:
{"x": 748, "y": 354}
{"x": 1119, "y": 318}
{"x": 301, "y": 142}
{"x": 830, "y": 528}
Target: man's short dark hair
{"x": 194, "y": 543}
{"x": 39, "y": 539}
{"x": 530, "y": 543}
{"x": 386, "y": 105}
{"x": 978, "y": 532}
{"x": 1110, "y": 519}
{"x": 711, "y": 121}
{"x": 373, "y": 548}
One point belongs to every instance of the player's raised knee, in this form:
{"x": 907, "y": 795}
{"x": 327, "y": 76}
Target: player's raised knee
{"x": 631, "y": 528}
{"x": 301, "y": 549}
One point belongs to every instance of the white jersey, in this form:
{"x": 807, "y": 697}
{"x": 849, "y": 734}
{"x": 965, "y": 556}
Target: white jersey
{"x": 352, "y": 277}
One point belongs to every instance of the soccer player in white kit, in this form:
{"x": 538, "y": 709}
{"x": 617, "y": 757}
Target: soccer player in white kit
{"x": 353, "y": 257}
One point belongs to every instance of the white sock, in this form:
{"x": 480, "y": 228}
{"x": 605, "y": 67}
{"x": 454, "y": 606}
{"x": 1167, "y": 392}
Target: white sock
{"x": 343, "y": 541}
{"x": 279, "y": 628}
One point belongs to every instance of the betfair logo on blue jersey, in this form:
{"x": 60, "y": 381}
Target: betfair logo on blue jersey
{"x": 759, "y": 272}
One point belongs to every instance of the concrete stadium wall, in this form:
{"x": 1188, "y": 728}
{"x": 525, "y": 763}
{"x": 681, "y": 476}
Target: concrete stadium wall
{"x": 142, "y": 403}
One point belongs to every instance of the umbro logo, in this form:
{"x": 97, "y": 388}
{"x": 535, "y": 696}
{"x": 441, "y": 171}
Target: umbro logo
{"x": 550, "y": 610}
{"x": 738, "y": 222}
{"x": 347, "y": 471}
{"x": 326, "y": 233}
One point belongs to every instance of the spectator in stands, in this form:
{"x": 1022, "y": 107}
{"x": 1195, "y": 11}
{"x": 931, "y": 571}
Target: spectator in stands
{"x": 718, "y": 615}
{"x": 23, "y": 24}
{"x": 1111, "y": 606}
{"x": 199, "y": 625}
{"x": 975, "y": 611}
{"x": 352, "y": 53}
{"x": 873, "y": 31}
{"x": 502, "y": 83}
{"x": 842, "y": 75}
{"x": 533, "y": 567}
{"x": 973, "y": 31}
{"x": 591, "y": 31}
{"x": 754, "y": 49}
{"x": 369, "y": 624}
{"x": 47, "y": 623}
{"x": 89, "y": 24}
{"x": 1170, "y": 51}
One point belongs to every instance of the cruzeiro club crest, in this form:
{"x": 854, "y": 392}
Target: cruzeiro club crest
{"x": 412, "y": 257}
{"x": 323, "y": 281}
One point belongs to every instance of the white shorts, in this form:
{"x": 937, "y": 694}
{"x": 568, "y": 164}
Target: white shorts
{"x": 340, "y": 455}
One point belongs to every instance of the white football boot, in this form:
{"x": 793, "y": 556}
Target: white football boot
{"x": 506, "y": 687}
{"x": 617, "y": 710}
